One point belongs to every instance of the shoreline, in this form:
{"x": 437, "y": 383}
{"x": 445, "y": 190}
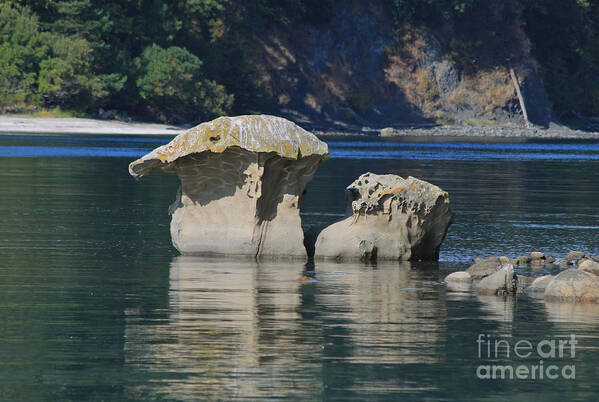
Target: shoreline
{"x": 41, "y": 125}
{"x": 75, "y": 125}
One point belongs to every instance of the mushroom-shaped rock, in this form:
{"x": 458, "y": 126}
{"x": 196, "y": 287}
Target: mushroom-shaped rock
{"x": 573, "y": 285}
{"x": 242, "y": 179}
{"x": 399, "y": 219}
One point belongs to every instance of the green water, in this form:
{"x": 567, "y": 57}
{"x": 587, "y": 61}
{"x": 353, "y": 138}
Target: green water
{"x": 95, "y": 304}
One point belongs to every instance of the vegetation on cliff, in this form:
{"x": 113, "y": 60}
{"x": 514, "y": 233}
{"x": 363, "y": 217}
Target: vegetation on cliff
{"x": 191, "y": 60}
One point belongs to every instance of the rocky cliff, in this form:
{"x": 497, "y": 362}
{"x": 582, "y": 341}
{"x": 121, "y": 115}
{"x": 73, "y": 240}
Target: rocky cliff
{"x": 359, "y": 69}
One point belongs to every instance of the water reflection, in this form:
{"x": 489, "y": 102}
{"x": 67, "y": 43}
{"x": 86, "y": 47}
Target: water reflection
{"x": 242, "y": 328}
{"x": 581, "y": 313}
{"x": 226, "y": 323}
{"x": 393, "y": 314}
{"x": 497, "y": 308}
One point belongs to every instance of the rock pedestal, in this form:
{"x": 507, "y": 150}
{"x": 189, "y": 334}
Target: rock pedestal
{"x": 242, "y": 180}
{"x": 388, "y": 218}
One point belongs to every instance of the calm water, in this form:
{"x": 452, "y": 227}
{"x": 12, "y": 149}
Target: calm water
{"x": 96, "y": 304}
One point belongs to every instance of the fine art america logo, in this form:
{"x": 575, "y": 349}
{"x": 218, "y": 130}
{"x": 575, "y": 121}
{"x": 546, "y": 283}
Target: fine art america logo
{"x": 549, "y": 357}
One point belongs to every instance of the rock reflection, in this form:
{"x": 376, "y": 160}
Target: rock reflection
{"x": 581, "y": 313}
{"x": 254, "y": 330}
{"x": 394, "y": 314}
{"x": 497, "y": 308}
{"x": 231, "y": 330}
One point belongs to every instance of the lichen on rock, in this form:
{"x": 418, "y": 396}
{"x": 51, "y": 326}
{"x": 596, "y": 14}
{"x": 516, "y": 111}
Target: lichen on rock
{"x": 399, "y": 219}
{"x": 242, "y": 180}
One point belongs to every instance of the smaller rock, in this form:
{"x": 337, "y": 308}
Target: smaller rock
{"x": 523, "y": 260}
{"x": 574, "y": 255}
{"x": 589, "y": 266}
{"x": 388, "y": 218}
{"x": 484, "y": 267}
{"x": 537, "y": 255}
{"x": 573, "y": 285}
{"x": 500, "y": 283}
{"x": 459, "y": 276}
{"x": 538, "y": 286}
{"x": 561, "y": 263}
{"x": 550, "y": 259}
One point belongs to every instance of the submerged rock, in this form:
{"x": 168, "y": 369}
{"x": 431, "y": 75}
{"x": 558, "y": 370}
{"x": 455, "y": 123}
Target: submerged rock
{"x": 242, "y": 179}
{"x": 483, "y": 267}
{"x": 524, "y": 281}
{"x": 573, "y": 285}
{"x": 537, "y": 255}
{"x": 537, "y": 258}
{"x": 459, "y": 281}
{"x": 574, "y": 256}
{"x": 538, "y": 286}
{"x": 502, "y": 282}
{"x": 589, "y": 266}
{"x": 388, "y": 218}
{"x": 458, "y": 276}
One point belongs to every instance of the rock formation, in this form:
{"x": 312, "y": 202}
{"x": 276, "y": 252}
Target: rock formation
{"x": 242, "y": 180}
{"x": 388, "y": 218}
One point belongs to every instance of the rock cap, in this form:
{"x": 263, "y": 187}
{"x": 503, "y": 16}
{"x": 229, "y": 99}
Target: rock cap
{"x": 255, "y": 133}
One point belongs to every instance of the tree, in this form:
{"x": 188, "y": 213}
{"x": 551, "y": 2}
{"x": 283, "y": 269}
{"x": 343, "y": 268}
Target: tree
{"x": 21, "y": 49}
{"x": 66, "y": 79}
{"x": 172, "y": 88}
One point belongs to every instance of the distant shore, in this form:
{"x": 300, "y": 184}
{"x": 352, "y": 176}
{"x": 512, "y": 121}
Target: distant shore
{"x": 473, "y": 132}
{"x": 38, "y": 125}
